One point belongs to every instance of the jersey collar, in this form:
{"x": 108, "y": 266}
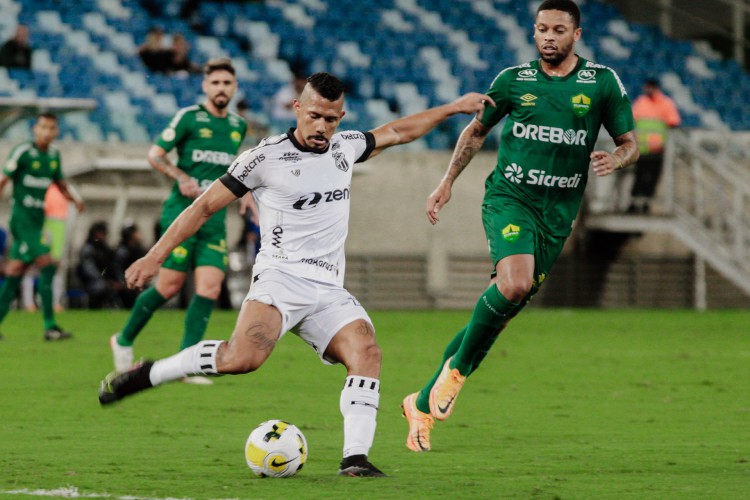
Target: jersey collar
{"x": 302, "y": 147}
{"x": 574, "y": 71}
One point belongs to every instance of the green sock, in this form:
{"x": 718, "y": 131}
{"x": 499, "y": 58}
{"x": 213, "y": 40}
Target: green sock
{"x": 490, "y": 315}
{"x": 423, "y": 397}
{"x": 7, "y": 294}
{"x": 196, "y": 320}
{"x": 145, "y": 305}
{"x": 46, "y": 275}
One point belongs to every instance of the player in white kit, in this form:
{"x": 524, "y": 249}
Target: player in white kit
{"x": 301, "y": 182}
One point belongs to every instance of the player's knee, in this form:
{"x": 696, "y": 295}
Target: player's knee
{"x": 209, "y": 291}
{"x": 372, "y": 356}
{"x": 168, "y": 290}
{"x": 516, "y": 289}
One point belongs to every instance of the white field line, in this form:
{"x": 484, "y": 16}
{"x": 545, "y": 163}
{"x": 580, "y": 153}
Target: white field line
{"x": 72, "y": 492}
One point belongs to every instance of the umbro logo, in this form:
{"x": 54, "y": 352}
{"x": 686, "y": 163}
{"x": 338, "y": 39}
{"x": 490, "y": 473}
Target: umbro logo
{"x": 296, "y": 172}
{"x": 528, "y": 100}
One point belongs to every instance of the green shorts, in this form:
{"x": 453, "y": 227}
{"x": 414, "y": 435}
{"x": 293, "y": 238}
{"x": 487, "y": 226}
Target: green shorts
{"x": 207, "y": 247}
{"x": 28, "y": 243}
{"x": 511, "y": 230}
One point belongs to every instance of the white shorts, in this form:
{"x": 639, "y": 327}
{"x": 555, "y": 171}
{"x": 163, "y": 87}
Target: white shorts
{"x": 314, "y": 311}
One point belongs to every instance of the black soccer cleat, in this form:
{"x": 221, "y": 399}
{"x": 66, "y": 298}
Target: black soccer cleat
{"x": 57, "y": 333}
{"x": 359, "y": 466}
{"x": 116, "y": 386}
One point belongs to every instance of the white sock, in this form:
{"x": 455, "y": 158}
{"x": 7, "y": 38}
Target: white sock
{"x": 197, "y": 359}
{"x": 359, "y": 406}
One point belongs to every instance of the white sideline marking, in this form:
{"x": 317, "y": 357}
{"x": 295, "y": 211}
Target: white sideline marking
{"x": 72, "y": 492}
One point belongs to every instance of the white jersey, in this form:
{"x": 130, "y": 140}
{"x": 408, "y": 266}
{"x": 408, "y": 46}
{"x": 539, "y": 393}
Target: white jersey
{"x": 303, "y": 201}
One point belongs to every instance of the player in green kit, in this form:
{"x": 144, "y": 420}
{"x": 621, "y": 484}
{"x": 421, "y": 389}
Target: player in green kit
{"x": 555, "y": 107}
{"x": 32, "y": 167}
{"x": 207, "y": 137}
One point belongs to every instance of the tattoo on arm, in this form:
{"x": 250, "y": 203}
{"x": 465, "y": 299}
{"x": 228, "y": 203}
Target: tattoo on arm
{"x": 469, "y": 143}
{"x": 627, "y": 148}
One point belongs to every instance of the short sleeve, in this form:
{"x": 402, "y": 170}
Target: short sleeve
{"x": 362, "y": 142}
{"x": 14, "y": 158}
{"x": 498, "y": 91}
{"x": 174, "y": 132}
{"x": 244, "y": 168}
{"x": 618, "y": 112}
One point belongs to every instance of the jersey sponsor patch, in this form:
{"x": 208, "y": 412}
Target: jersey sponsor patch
{"x": 536, "y": 177}
{"x": 169, "y": 134}
{"x": 586, "y": 76}
{"x": 555, "y": 135}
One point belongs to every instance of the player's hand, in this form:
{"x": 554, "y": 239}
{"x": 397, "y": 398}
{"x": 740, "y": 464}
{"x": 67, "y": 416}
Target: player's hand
{"x": 437, "y": 200}
{"x": 80, "y": 205}
{"x": 473, "y": 102}
{"x": 140, "y": 273}
{"x": 188, "y": 187}
{"x": 604, "y": 163}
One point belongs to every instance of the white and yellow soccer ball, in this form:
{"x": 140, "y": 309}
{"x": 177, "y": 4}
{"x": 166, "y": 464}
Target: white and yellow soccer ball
{"x": 276, "y": 449}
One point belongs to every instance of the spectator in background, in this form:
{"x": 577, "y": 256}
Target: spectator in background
{"x": 128, "y": 251}
{"x": 97, "y": 270}
{"x": 180, "y": 56}
{"x": 16, "y": 52}
{"x": 654, "y": 115}
{"x": 283, "y": 99}
{"x": 154, "y": 53}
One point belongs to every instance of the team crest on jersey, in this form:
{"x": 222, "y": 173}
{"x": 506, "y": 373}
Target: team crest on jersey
{"x": 53, "y": 164}
{"x": 581, "y": 104}
{"x": 235, "y": 136}
{"x": 205, "y": 133}
{"x": 341, "y": 162}
{"x": 511, "y": 232}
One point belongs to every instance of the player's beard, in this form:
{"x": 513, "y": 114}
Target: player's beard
{"x": 558, "y": 56}
{"x": 221, "y": 104}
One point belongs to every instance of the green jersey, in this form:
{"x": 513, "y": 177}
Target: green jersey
{"x": 206, "y": 146}
{"x": 32, "y": 171}
{"x": 552, "y": 126}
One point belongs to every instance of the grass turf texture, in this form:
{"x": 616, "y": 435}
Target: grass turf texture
{"x": 569, "y": 404}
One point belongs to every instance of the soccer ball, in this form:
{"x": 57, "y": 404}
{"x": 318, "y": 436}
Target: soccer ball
{"x": 276, "y": 449}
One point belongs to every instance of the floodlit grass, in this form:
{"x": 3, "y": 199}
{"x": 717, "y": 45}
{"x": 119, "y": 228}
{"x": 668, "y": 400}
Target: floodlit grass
{"x": 569, "y": 404}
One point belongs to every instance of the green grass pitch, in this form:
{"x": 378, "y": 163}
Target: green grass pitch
{"x": 569, "y": 404}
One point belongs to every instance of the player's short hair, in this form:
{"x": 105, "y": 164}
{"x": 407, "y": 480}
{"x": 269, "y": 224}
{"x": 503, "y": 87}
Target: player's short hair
{"x": 326, "y": 85}
{"x": 568, "y": 6}
{"x": 46, "y": 114}
{"x": 652, "y": 82}
{"x": 218, "y": 64}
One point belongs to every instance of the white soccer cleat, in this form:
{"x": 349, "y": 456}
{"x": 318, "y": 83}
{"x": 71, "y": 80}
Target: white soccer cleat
{"x": 197, "y": 380}
{"x": 122, "y": 355}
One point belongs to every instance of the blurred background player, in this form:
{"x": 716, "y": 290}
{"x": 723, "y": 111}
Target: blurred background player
{"x": 654, "y": 114}
{"x": 207, "y": 137}
{"x": 533, "y": 194}
{"x": 32, "y": 167}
